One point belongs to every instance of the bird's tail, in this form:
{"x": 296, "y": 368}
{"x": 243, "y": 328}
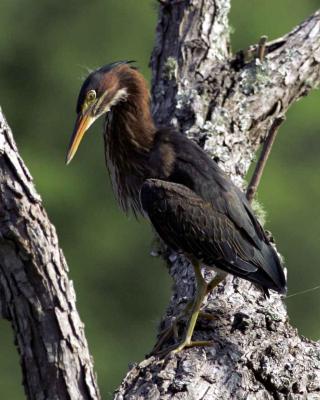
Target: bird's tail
{"x": 271, "y": 274}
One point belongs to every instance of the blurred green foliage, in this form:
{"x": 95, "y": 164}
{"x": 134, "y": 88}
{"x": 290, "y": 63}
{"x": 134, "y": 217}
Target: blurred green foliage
{"x": 46, "y": 47}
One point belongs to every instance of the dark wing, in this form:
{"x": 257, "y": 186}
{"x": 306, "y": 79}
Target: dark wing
{"x": 196, "y": 170}
{"x": 188, "y": 223}
{"x": 193, "y": 168}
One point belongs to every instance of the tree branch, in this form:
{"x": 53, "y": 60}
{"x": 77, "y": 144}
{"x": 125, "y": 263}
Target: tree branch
{"x": 228, "y": 103}
{"x": 35, "y": 292}
{"x": 264, "y": 155}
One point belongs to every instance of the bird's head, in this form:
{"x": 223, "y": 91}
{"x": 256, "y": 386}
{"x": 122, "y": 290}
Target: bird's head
{"x": 103, "y": 89}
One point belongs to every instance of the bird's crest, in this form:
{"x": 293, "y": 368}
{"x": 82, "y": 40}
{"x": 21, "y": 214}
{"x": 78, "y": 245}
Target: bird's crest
{"x": 109, "y": 67}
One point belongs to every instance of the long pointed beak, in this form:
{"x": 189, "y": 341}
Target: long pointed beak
{"x": 83, "y": 122}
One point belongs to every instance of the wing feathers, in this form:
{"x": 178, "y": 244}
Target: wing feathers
{"x": 187, "y": 222}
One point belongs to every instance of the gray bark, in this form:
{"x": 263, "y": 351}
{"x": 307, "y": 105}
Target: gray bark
{"x": 36, "y": 295}
{"x": 228, "y": 103}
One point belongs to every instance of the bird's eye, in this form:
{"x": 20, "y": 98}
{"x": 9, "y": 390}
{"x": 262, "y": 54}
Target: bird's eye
{"x": 91, "y": 95}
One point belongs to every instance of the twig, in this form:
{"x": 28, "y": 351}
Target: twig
{"x": 267, "y": 146}
{"x": 262, "y": 47}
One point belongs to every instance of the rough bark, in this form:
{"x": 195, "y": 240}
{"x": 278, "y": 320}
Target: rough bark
{"x": 36, "y": 295}
{"x": 228, "y": 103}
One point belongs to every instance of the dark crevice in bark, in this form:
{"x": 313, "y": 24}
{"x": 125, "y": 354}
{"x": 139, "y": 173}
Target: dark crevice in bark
{"x": 265, "y": 382}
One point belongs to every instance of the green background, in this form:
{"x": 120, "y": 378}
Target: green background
{"x": 46, "y": 47}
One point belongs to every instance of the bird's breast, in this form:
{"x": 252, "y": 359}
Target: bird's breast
{"x": 126, "y": 178}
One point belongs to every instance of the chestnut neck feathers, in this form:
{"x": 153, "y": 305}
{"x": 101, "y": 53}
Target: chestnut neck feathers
{"x": 129, "y": 137}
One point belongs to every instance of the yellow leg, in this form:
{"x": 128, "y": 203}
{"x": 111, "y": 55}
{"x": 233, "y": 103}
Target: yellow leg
{"x": 200, "y": 295}
{"x": 220, "y": 276}
{"x": 173, "y": 330}
{"x": 202, "y": 290}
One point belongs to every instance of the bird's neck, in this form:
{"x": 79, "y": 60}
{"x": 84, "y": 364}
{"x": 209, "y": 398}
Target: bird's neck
{"x": 132, "y": 128}
{"x": 129, "y": 138}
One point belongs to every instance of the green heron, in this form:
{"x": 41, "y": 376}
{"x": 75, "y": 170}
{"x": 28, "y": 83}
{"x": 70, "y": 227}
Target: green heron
{"x": 161, "y": 174}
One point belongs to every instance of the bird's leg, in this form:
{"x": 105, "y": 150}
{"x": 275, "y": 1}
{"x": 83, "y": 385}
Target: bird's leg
{"x": 172, "y": 330}
{"x": 202, "y": 290}
{"x": 200, "y": 294}
{"x": 219, "y": 277}
{"x": 196, "y": 303}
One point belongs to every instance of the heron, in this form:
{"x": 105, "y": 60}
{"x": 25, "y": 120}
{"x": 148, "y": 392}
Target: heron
{"x": 158, "y": 173}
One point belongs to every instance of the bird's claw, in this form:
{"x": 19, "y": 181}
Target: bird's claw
{"x": 166, "y": 334}
{"x": 185, "y": 344}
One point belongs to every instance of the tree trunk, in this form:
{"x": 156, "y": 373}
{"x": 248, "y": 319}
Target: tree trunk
{"x": 36, "y": 295}
{"x": 228, "y": 104}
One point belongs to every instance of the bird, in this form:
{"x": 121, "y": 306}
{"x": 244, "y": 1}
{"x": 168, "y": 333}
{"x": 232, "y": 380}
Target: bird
{"x": 159, "y": 173}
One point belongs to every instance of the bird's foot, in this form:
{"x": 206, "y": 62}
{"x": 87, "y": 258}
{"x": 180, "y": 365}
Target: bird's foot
{"x": 166, "y": 334}
{"x": 202, "y": 290}
{"x": 185, "y": 344}
{"x": 173, "y": 330}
